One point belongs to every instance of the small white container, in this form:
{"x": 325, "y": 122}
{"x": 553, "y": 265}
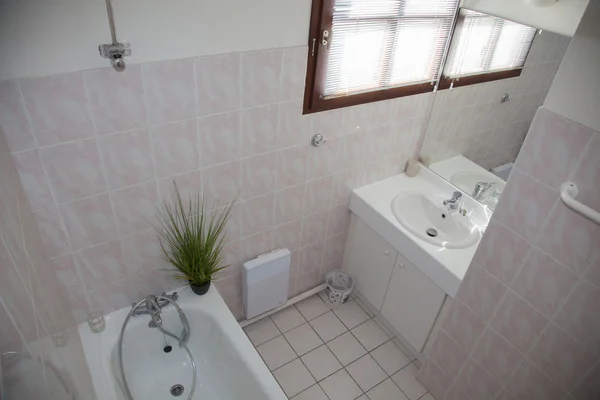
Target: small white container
{"x": 412, "y": 168}
{"x": 339, "y": 286}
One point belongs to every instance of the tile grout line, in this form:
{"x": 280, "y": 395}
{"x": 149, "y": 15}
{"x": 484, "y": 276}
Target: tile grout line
{"x": 298, "y": 357}
{"x": 533, "y": 244}
{"x": 136, "y": 232}
{"x": 148, "y": 125}
{"x": 526, "y": 355}
{"x": 367, "y": 352}
{"x": 480, "y": 336}
{"x": 72, "y": 251}
{"x": 344, "y": 366}
{"x": 144, "y": 77}
{"x": 197, "y": 122}
{"x": 323, "y": 344}
{"x": 347, "y": 330}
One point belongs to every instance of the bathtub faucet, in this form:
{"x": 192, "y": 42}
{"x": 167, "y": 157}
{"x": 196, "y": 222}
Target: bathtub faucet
{"x": 154, "y": 308}
{"x": 154, "y": 304}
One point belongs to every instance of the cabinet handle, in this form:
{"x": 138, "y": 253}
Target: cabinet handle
{"x": 386, "y": 252}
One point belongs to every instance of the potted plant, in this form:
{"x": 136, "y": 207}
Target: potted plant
{"x": 193, "y": 239}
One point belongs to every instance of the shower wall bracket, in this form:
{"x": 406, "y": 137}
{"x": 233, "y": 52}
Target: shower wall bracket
{"x": 114, "y": 50}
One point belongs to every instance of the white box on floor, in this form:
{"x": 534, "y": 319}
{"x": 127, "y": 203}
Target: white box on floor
{"x": 265, "y": 282}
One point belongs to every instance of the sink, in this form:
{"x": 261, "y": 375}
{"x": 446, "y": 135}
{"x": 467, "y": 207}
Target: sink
{"x": 424, "y": 216}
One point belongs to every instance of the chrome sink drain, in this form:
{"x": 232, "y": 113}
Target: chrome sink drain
{"x": 177, "y": 390}
{"x": 431, "y": 232}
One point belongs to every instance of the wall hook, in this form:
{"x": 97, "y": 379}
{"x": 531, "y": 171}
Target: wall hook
{"x": 318, "y": 140}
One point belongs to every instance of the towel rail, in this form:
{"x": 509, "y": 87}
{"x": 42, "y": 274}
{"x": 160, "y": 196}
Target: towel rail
{"x": 568, "y": 193}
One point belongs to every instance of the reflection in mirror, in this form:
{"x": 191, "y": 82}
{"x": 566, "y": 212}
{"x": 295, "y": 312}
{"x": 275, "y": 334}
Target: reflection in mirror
{"x": 477, "y": 125}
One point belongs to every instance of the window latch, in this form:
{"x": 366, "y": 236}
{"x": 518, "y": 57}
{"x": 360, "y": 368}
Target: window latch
{"x": 325, "y": 38}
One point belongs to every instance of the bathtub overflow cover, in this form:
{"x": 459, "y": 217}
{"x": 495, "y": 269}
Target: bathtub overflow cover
{"x": 177, "y": 390}
{"x": 431, "y": 232}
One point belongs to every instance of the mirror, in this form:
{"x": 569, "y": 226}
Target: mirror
{"x": 475, "y": 132}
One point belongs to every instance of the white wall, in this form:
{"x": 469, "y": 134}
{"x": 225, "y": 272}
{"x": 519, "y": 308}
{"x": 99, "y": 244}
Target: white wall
{"x": 561, "y": 17}
{"x": 575, "y": 92}
{"x": 39, "y": 37}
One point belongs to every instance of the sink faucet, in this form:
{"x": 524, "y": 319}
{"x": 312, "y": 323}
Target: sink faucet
{"x": 454, "y": 202}
{"x": 480, "y": 189}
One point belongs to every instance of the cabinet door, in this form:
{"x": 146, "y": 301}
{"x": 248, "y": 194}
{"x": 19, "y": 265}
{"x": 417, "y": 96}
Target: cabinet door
{"x": 370, "y": 260}
{"x": 412, "y": 303}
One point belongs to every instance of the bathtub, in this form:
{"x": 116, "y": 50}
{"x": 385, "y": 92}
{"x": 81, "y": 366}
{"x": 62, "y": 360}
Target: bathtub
{"x": 228, "y": 366}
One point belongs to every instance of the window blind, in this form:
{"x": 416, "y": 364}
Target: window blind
{"x": 378, "y": 44}
{"x": 482, "y": 43}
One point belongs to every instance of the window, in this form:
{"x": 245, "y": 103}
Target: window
{"x": 369, "y": 50}
{"x": 361, "y": 49}
{"x": 484, "y": 47}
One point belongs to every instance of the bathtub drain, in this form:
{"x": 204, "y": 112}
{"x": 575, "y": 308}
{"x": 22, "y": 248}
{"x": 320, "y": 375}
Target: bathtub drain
{"x": 431, "y": 232}
{"x": 177, "y": 390}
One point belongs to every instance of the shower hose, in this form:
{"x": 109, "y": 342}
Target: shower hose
{"x": 182, "y": 340}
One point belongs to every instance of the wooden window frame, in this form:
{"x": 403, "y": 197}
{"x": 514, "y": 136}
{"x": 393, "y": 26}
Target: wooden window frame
{"x": 447, "y": 82}
{"x": 321, "y": 19}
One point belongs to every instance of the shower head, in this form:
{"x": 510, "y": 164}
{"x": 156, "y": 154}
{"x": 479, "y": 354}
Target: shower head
{"x": 118, "y": 63}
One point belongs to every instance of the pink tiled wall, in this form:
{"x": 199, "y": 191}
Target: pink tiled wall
{"x": 525, "y": 324}
{"x": 32, "y": 305}
{"x": 97, "y": 150}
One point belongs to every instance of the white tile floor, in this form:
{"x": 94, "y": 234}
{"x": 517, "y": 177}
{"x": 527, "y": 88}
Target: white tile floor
{"x": 321, "y": 352}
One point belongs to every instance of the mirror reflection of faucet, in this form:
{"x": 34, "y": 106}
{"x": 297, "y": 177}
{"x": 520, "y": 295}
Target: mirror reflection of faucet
{"x": 480, "y": 189}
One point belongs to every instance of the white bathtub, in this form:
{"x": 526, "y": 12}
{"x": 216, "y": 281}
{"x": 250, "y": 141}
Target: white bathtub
{"x": 228, "y": 366}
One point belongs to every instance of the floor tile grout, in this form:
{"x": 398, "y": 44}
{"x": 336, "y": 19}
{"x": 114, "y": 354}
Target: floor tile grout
{"x": 325, "y": 344}
{"x": 327, "y": 347}
{"x": 308, "y": 320}
{"x": 298, "y": 357}
{"x": 343, "y": 367}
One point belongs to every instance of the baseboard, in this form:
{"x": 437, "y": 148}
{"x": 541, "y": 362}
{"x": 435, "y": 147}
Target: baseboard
{"x": 293, "y": 300}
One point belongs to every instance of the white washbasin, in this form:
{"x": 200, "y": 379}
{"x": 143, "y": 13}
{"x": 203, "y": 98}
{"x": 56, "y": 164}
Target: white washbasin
{"x": 425, "y": 217}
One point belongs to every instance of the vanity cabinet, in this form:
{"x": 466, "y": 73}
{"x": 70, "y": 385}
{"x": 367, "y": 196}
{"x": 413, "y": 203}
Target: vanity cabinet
{"x": 412, "y": 303}
{"x": 404, "y": 296}
{"x": 369, "y": 259}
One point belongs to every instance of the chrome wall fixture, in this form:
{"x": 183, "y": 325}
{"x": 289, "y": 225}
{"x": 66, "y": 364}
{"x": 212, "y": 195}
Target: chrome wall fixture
{"x": 568, "y": 193}
{"x": 114, "y": 51}
{"x": 318, "y": 140}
